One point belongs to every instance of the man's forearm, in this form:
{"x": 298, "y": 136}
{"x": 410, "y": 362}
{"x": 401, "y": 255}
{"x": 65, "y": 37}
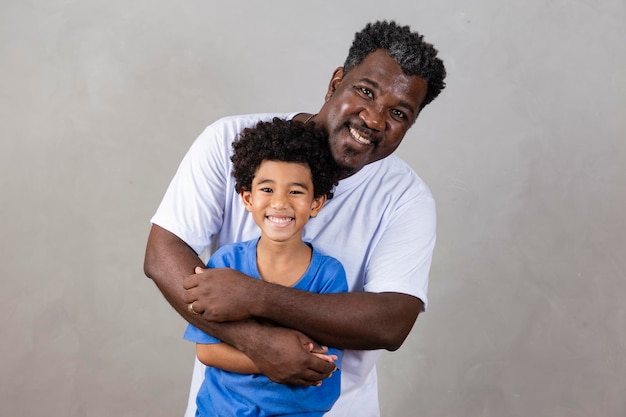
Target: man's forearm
{"x": 345, "y": 320}
{"x": 359, "y": 320}
{"x": 168, "y": 260}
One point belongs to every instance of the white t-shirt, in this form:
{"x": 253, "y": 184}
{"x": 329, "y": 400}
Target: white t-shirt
{"x": 380, "y": 224}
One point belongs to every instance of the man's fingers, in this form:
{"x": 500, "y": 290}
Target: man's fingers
{"x": 195, "y": 309}
{"x": 317, "y": 369}
{"x": 311, "y": 379}
{"x": 190, "y": 281}
{"x": 320, "y": 368}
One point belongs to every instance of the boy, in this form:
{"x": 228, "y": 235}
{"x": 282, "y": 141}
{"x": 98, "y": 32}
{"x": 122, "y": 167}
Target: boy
{"x": 284, "y": 172}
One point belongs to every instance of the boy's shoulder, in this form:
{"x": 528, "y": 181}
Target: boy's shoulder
{"x": 231, "y": 252}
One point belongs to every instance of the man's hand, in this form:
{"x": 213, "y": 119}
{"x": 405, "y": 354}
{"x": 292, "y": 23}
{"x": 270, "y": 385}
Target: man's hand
{"x": 289, "y": 357}
{"x": 221, "y": 294}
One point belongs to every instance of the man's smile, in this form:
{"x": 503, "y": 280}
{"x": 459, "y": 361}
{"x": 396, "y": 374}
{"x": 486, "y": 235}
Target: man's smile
{"x": 359, "y": 137}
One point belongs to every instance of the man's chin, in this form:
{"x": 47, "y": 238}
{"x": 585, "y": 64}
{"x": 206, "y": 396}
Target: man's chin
{"x": 351, "y": 162}
{"x": 345, "y": 172}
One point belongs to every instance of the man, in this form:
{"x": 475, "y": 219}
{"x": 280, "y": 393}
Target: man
{"x": 380, "y": 224}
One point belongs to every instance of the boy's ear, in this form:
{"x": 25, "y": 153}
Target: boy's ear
{"x": 317, "y": 205}
{"x": 246, "y": 197}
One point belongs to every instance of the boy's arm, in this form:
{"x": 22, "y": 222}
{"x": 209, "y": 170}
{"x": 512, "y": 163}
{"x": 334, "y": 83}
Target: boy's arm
{"x": 281, "y": 354}
{"x": 225, "y": 357}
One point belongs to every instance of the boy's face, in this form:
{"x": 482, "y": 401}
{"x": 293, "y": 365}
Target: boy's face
{"x": 281, "y": 200}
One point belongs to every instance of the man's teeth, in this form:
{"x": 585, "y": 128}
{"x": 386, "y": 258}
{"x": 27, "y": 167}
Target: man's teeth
{"x": 359, "y": 138}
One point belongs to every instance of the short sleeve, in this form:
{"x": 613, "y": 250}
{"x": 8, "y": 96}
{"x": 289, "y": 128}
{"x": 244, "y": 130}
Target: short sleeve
{"x": 193, "y": 334}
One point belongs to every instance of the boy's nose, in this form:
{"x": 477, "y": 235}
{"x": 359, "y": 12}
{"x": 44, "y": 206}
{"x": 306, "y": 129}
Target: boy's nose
{"x": 278, "y": 201}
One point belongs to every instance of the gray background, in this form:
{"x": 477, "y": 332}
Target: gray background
{"x": 524, "y": 153}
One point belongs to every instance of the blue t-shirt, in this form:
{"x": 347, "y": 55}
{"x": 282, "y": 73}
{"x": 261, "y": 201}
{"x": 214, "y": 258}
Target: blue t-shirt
{"x": 232, "y": 394}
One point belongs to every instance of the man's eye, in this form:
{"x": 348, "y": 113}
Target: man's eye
{"x": 367, "y": 91}
{"x": 399, "y": 114}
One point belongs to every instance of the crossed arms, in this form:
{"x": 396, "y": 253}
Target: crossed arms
{"x": 230, "y": 303}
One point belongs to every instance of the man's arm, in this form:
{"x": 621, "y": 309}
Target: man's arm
{"x": 283, "y": 355}
{"x": 359, "y": 320}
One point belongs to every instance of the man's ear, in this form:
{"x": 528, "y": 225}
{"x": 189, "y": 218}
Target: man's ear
{"x": 246, "y": 197}
{"x": 334, "y": 82}
{"x": 317, "y": 204}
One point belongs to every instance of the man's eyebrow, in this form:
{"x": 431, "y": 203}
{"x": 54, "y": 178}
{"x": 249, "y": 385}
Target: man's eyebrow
{"x": 407, "y": 106}
{"x": 371, "y": 82}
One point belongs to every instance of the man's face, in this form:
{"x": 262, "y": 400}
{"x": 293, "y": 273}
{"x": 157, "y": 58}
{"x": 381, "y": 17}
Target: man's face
{"x": 368, "y": 110}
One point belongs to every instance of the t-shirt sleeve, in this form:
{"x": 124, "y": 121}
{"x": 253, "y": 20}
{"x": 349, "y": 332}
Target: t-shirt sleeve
{"x": 335, "y": 277}
{"x": 193, "y": 334}
{"x": 402, "y": 258}
{"x": 193, "y": 205}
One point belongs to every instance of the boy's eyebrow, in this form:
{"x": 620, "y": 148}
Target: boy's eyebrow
{"x": 271, "y": 181}
{"x": 299, "y": 185}
{"x": 265, "y": 181}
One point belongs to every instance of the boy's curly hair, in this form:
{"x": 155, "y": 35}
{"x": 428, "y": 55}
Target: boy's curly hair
{"x": 408, "y": 49}
{"x": 285, "y": 141}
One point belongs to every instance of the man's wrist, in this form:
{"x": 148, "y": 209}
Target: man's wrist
{"x": 262, "y": 297}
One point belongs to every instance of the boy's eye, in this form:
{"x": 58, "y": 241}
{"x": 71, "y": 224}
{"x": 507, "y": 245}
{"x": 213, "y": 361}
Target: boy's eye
{"x": 266, "y": 190}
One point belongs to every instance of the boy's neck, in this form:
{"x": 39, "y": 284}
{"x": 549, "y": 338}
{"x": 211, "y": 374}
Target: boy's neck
{"x": 282, "y": 263}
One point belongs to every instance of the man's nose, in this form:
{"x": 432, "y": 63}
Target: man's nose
{"x": 373, "y": 117}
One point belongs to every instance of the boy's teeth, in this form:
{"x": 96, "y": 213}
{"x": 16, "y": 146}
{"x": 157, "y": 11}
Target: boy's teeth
{"x": 279, "y": 219}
